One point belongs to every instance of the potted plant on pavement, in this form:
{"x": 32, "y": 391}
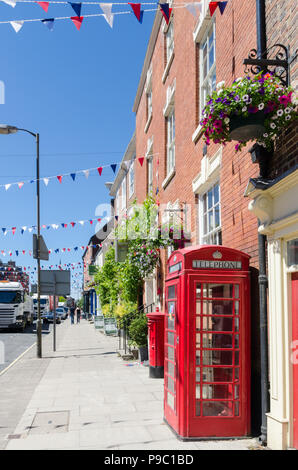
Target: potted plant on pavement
{"x": 252, "y": 108}
{"x": 138, "y": 332}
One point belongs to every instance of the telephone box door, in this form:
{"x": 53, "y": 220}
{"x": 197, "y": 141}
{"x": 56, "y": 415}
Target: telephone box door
{"x": 171, "y": 353}
{"x": 220, "y": 376}
{"x": 295, "y": 357}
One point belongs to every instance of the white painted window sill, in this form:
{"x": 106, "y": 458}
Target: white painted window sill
{"x": 197, "y": 133}
{"x": 168, "y": 178}
{"x": 148, "y": 123}
{"x": 167, "y": 68}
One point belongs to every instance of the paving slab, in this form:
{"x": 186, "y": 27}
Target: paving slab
{"x": 84, "y": 396}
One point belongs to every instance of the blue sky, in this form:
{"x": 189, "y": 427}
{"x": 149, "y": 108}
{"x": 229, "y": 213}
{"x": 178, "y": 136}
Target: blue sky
{"x": 76, "y": 88}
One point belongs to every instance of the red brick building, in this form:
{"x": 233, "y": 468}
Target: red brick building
{"x": 205, "y": 186}
{"x": 183, "y": 63}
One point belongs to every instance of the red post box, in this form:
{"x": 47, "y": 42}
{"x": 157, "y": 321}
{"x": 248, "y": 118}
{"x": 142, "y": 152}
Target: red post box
{"x": 207, "y": 343}
{"x": 156, "y": 344}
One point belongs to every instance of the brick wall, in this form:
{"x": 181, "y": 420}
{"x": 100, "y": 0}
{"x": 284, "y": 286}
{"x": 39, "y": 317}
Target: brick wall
{"x": 281, "y": 27}
{"x": 239, "y": 227}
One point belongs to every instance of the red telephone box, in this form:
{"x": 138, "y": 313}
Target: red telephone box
{"x": 207, "y": 343}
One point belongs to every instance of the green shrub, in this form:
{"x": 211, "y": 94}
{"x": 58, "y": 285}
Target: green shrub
{"x": 138, "y": 330}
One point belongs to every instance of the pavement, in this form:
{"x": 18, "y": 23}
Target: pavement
{"x": 85, "y": 396}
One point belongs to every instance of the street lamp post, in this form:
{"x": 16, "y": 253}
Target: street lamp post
{"x": 6, "y": 129}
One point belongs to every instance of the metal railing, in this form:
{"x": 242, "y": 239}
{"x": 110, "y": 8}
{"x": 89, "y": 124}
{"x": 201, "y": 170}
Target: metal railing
{"x": 124, "y": 323}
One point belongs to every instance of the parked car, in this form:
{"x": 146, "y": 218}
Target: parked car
{"x": 48, "y": 317}
{"x": 60, "y": 311}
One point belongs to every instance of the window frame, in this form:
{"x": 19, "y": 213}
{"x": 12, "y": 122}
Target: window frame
{"x": 171, "y": 128}
{"x": 207, "y": 82}
{"x": 207, "y": 236}
{"x": 131, "y": 180}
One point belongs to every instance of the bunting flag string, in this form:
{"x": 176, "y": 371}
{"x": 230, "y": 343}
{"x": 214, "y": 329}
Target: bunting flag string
{"x": 136, "y": 8}
{"x": 59, "y": 251}
{"x": 24, "y": 228}
{"x": 73, "y": 174}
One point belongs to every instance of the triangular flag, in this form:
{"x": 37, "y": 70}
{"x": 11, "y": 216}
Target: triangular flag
{"x": 77, "y": 21}
{"x": 212, "y": 7}
{"x": 44, "y": 5}
{"x": 12, "y": 3}
{"x": 99, "y": 169}
{"x": 166, "y": 11}
{"x": 222, "y": 6}
{"x": 141, "y": 160}
{"x": 73, "y": 175}
{"x": 109, "y": 16}
{"x": 137, "y": 11}
{"x": 13, "y": 230}
{"x": 82, "y": 222}
{"x": 91, "y": 221}
{"x": 7, "y": 186}
{"x": 49, "y": 23}
{"x": 194, "y": 8}
{"x": 98, "y": 220}
{"x": 46, "y": 181}
{"x": 76, "y": 7}
{"x": 114, "y": 166}
{"x": 17, "y": 25}
{"x": 72, "y": 224}
{"x": 86, "y": 172}
{"x": 3, "y": 229}
{"x": 20, "y": 185}
{"x": 59, "y": 177}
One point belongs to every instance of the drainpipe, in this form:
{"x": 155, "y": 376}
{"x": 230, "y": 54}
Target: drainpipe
{"x": 263, "y": 280}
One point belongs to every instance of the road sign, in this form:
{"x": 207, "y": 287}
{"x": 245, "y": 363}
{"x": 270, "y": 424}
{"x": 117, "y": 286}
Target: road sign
{"x": 54, "y": 282}
{"x": 44, "y": 252}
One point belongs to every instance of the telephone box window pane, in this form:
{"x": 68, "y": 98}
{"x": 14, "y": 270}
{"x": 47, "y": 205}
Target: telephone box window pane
{"x": 236, "y": 323}
{"x": 237, "y": 374}
{"x": 198, "y": 340}
{"x": 217, "y": 323}
{"x": 236, "y": 392}
{"x": 217, "y": 408}
{"x": 217, "y": 307}
{"x": 198, "y": 290}
{"x": 237, "y": 341}
{"x": 236, "y": 291}
{"x": 217, "y": 358}
{"x": 171, "y": 338}
{"x": 170, "y": 353}
{"x": 198, "y": 307}
{"x": 171, "y": 385}
{"x": 236, "y": 408}
{"x": 171, "y": 323}
{"x": 198, "y": 391}
{"x": 198, "y": 374}
{"x": 220, "y": 290}
{"x": 222, "y": 391}
{"x": 236, "y": 307}
{"x": 217, "y": 374}
{"x": 171, "y": 369}
{"x": 198, "y": 357}
{"x": 198, "y": 408}
{"x": 171, "y": 400}
{"x": 217, "y": 341}
{"x": 172, "y": 292}
{"x": 236, "y": 358}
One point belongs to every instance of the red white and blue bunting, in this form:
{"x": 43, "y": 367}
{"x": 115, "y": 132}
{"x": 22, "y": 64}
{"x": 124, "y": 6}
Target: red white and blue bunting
{"x": 137, "y": 9}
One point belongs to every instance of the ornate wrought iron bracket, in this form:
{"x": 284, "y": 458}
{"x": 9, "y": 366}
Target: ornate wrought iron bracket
{"x": 276, "y": 59}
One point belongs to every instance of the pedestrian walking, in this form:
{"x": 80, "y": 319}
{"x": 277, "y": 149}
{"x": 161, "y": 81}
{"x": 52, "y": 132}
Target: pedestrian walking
{"x": 72, "y": 313}
{"x": 78, "y": 315}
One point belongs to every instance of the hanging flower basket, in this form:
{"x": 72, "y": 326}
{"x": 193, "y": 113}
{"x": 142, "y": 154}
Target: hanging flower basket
{"x": 247, "y": 128}
{"x": 257, "y": 108}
